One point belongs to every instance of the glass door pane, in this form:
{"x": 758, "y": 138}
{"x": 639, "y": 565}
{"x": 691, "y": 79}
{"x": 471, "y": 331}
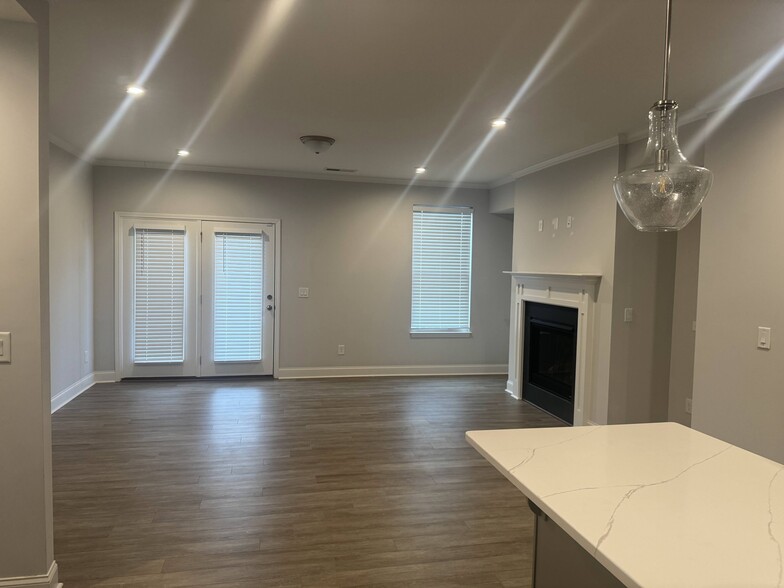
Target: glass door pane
{"x": 238, "y": 306}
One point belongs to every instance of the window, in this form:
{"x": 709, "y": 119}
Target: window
{"x": 441, "y": 270}
{"x": 239, "y": 300}
{"x": 159, "y": 296}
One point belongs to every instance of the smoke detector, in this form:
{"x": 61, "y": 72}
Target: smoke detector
{"x": 317, "y": 143}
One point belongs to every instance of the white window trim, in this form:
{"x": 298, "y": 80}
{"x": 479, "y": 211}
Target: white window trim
{"x": 119, "y": 328}
{"x": 439, "y": 334}
{"x": 446, "y": 333}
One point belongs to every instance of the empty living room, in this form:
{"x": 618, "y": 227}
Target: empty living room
{"x": 391, "y": 293}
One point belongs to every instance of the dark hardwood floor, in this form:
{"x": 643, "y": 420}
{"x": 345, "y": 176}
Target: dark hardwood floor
{"x": 355, "y": 482}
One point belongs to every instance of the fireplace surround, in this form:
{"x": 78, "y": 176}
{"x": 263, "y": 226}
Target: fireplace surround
{"x": 573, "y": 291}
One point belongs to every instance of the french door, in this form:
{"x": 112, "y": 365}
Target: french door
{"x": 238, "y": 298}
{"x": 197, "y": 298}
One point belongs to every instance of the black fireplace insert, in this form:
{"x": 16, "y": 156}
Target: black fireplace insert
{"x": 550, "y": 358}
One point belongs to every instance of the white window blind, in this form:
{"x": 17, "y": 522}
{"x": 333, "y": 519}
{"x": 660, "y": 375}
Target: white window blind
{"x": 239, "y": 297}
{"x": 159, "y": 296}
{"x": 441, "y": 270}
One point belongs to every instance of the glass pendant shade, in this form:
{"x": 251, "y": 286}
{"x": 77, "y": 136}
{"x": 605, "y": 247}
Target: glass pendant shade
{"x": 666, "y": 191}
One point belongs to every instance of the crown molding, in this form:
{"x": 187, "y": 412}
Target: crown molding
{"x": 286, "y": 174}
{"x": 69, "y": 148}
{"x": 577, "y": 153}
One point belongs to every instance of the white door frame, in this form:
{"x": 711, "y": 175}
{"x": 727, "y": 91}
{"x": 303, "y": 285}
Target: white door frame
{"x": 119, "y": 217}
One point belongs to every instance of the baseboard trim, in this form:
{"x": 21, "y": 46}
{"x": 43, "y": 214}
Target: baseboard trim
{"x": 391, "y": 370}
{"x": 63, "y": 397}
{"x": 105, "y": 377}
{"x": 48, "y": 580}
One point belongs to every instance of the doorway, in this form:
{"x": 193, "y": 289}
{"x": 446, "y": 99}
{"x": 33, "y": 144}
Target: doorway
{"x": 195, "y": 297}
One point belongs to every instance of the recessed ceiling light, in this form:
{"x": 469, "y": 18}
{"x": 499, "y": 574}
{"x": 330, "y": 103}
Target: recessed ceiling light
{"x": 420, "y": 170}
{"x": 134, "y": 90}
{"x": 499, "y": 123}
{"x": 183, "y": 153}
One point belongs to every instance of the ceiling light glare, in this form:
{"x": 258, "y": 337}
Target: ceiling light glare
{"x": 133, "y": 90}
{"x": 499, "y": 123}
{"x": 420, "y": 170}
{"x": 183, "y": 153}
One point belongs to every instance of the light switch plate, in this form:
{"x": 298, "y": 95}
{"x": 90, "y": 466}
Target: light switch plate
{"x": 628, "y": 315}
{"x": 304, "y": 292}
{"x": 541, "y": 225}
{"x": 5, "y": 347}
{"x": 763, "y": 338}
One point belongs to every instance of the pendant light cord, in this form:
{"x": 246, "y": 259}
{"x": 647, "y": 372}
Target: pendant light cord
{"x": 666, "y": 76}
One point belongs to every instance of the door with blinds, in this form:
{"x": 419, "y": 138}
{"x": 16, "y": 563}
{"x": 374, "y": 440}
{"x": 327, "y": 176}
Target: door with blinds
{"x": 159, "y": 298}
{"x": 238, "y": 298}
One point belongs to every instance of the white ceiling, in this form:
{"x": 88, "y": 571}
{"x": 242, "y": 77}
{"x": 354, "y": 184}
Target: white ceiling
{"x": 396, "y": 82}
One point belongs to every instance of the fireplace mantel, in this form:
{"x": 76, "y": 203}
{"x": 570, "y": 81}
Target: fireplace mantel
{"x": 591, "y": 279}
{"x": 575, "y": 290}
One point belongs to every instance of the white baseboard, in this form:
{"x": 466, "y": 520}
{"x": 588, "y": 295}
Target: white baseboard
{"x": 391, "y": 370}
{"x": 63, "y": 397}
{"x": 48, "y": 580}
{"x": 105, "y": 377}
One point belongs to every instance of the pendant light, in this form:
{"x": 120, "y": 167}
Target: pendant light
{"x": 666, "y": 191}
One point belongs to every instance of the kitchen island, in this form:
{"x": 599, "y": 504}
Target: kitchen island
{"x": 646, "y": 505}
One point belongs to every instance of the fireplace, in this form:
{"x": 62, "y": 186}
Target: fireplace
{"x": 550, "y": 358}
{"x": 570, "y": 293}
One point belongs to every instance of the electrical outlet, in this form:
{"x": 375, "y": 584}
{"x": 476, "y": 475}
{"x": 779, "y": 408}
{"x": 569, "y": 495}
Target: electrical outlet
{"x": 688, "y": 406}
{"x": 304, "y": 292}
{"x": 341, "y": 350}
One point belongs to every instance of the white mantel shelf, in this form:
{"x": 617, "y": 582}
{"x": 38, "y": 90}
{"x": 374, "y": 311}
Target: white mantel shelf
{"x": 589, "y": 277}
{"x": 656, "y": 504}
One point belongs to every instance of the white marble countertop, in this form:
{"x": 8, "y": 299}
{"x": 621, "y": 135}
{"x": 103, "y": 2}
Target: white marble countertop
{"x": 659, "y": 505}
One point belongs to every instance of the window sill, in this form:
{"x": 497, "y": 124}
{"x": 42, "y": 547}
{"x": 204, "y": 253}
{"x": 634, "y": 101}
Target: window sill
{"x": 439, "y": 334}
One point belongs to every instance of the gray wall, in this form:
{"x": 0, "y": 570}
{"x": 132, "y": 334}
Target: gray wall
{"x": 579, "y": 188}
{"x": 640, "y": 350}
{"x": 502, "y": 199}
{"x": 349, "y": 242}
{"x": 684, "y": 313}
{"x": 71, "y": 268}
{"x": 25, "y": 445}
{"x": 655, "y": 275}
{"x": 739, "y": 389}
